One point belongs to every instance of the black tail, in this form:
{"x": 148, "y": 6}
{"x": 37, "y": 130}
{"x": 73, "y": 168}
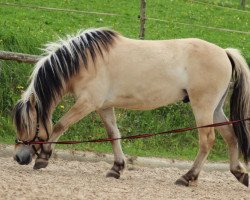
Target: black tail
{"x": 240, "y": 101}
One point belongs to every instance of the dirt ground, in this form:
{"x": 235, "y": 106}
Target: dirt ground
{"x": 74, "y": 179}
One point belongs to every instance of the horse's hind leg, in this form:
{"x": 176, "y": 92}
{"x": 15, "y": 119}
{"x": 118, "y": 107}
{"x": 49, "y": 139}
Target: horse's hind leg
{"x": 108, "y": 117}
{"x": 228, "y": 135}
{"x": 203, "y": 115}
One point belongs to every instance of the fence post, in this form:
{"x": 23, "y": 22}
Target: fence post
{"x": 243, "y": 4}
{"x": 142, "y": 19}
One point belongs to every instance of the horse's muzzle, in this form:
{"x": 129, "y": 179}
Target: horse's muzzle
{"x": 23, "y": 156}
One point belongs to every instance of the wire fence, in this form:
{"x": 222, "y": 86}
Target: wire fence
{"x": 57, "y": 9}
{"x": 143, "y": 19}
{"x": 203, "y": 26}
{"x": 143, "y": 14}
{"x": 222, "y": 7}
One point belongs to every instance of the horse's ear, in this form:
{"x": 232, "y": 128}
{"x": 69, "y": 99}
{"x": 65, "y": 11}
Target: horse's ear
{"x": 32, "y": 100}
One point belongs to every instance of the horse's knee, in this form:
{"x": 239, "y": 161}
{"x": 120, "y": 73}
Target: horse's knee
{"x": 58, "y": 129}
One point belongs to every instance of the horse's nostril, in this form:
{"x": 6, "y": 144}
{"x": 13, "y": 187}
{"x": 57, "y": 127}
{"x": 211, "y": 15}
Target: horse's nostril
{"x": 23, "y": 159}
{"x": 18, "y": 159}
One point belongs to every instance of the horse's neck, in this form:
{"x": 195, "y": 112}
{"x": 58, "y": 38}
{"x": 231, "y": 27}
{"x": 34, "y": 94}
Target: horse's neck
{"x": 53, "y": 107}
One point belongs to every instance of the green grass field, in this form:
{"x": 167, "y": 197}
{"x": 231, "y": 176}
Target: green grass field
{"x": 26, "y": 29}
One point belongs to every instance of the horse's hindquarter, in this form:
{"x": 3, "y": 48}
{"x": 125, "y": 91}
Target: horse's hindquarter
{"x": 145, "y": 74}
{"x": 209, "y": 72}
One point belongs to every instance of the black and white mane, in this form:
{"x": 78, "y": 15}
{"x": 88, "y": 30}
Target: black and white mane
{"x": 53, "y": 71}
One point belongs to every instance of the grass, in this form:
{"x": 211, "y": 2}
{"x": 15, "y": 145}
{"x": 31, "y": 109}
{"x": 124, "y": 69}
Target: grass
{"x": 26, "y": 30}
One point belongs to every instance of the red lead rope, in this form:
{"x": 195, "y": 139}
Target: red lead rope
{"x": 141, "y": 135}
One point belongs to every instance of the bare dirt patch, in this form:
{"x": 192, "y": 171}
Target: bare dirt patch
{"x": 65, "y": 179}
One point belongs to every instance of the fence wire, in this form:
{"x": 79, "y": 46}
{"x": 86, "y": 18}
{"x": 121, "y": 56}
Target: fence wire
{"x": 202, "y": 26}
{"x": 127, "y": 16}
{"x": 218, "y": 6}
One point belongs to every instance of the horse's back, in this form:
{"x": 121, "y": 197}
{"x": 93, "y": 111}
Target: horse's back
{"x": 149, "y": 74}
{"x": 138, "y": 74}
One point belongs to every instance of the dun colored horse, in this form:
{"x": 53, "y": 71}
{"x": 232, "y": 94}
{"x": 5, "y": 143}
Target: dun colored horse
{"x": 105, "y": 70}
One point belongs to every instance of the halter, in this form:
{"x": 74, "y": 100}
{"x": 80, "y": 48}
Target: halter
{"x": 36, "y": 137}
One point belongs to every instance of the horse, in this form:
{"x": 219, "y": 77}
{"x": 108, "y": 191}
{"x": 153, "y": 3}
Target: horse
{"x": 105, "y": 70}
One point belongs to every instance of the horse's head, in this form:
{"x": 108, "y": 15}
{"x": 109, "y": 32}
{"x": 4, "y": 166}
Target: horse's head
{"x": 29, "y": 128}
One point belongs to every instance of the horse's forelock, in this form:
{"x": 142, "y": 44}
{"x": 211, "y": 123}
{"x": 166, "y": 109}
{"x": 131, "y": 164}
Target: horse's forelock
{"x": 16, "y": 115}
{"x": 21, "y": 115}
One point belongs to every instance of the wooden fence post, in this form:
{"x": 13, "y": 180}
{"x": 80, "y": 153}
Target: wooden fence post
{"x": 243, "y": 3}
{"x": 142, "y": 19}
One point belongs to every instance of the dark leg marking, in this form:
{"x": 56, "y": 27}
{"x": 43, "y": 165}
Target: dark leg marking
{"x": 189, "y": 179}
{"x": 42, "y": 160}
{"x": 40, "y": 163}
{"x": 115, "y": 170}
{"x": 241, "y": 177}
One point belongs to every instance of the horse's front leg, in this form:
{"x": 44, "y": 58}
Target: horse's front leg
{"x": 80, "y": 109}
{"x": 109, "y": 120}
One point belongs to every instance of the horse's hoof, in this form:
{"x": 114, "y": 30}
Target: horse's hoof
{"x": 41, "y": 163}
{"x": 113, "y": 174}
{"x": 241, "y": 177}
{"x": 245, "y": 180}
{"x": 182, "y": 182}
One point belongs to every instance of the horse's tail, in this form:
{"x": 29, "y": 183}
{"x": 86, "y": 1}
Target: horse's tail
{"x": 240, "y": 100}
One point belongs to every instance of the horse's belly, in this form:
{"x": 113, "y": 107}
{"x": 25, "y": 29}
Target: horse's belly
{"x": 145, "y": 105}
{"x": 147, "y": 99}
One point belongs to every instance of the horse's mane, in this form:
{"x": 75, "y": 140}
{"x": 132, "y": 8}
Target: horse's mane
{"x": 60, "y": 62}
